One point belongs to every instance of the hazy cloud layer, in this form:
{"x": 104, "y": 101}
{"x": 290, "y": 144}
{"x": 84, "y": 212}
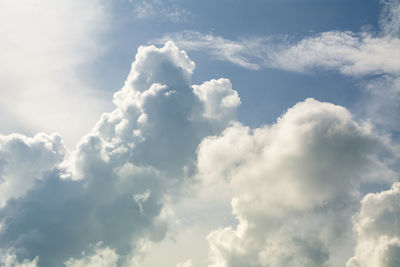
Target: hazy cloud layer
{"x": 45, "y": 46}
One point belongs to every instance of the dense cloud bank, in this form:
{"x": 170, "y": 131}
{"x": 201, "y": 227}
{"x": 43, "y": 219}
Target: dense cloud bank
{"x": 296, "y": 185}
{"x": 299, "y": 187}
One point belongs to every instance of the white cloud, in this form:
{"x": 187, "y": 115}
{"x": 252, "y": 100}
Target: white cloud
{"x": 44, "y": 47}
{"x": 364, "y": 54}
{"x": 24, "y": 159}
{"x": 390, "y": 17}
{"x": 101, "y": 257}
{"x": 220, "y": 101}
{"x": 382, "y": 105}
{"x": 349, "y": 53}
{"x": 295, "y": 186}
{"x": 187, "y": 263}
{"x": 111, "y": 189}
{"x": 9, "y": 259}
{"x": 157, "y": 9}
{"x": 346, "y": 52}
{"x": 247, "y": 53}
{"x": 377, "y": 227}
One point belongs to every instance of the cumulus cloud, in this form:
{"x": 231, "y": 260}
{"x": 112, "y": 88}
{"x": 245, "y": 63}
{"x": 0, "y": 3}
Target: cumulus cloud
{"x": 220, "y": 101}
{"x": 9, "y": 259}
{"x": 296, "y": 185}
{"x": 377, "y": 230}
{"x": 101, "y": 257}
{"x": 25, "y": 159}
{"x": 111, "y": 188}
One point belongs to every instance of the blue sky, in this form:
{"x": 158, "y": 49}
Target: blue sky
{"x": 199, "y": 133}
{"x": 269, "y": 92}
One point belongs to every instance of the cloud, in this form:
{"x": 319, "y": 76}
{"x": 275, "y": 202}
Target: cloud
{"x": 161, "y": 10}
{"x": 353, "y": 54}
{"x": 390, "y": 17}
{"x": 25, "y": 159}
{"x": 220, "y": 101}
{"x": 295, "y": 185}
{"x": 377, "y": 230}
{"x": 365, "y": 54}
{"x": 382, "y": 102}
{"x": 187, "y": 263}
{"x": 101, "y": 257}
{"x": 346, "y": 52}
{"x": 246, "y": 53}
{"x": 45, "y": 46}
{"x": 9, "y": 259}
{"x": 349, "y": 53}
{"x": 111, "y": 189}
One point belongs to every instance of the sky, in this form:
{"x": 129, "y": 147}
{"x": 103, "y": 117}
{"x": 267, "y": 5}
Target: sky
{"x": 240, "y": 133}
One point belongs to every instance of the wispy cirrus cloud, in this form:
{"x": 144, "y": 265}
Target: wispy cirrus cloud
{"x": 350, "y": 53}
{"x": 156, "y": 9}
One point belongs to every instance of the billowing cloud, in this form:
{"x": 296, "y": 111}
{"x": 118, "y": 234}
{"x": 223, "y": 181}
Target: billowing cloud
{"x": 220, "y": 101}
{"x": 295, "y": 185}
{"x": 9, "y": 259}
{"x": 111, "y": 189}
{"x": 25, "y": 159}
{"x": 101, "y": 257}
{"x": 377, "y": 230}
